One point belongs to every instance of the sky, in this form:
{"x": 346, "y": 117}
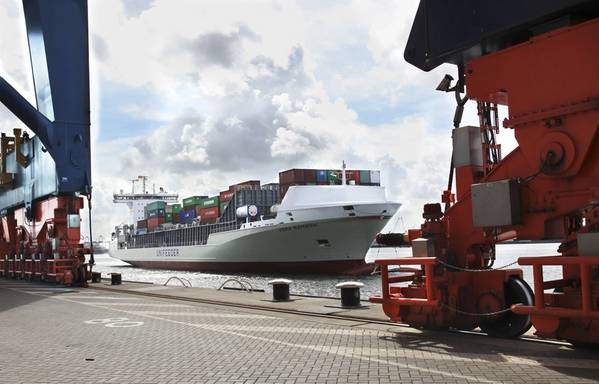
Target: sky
{"x": 199, "y": 95}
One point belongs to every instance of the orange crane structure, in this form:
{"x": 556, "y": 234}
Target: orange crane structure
{"x": 541, "y": 60}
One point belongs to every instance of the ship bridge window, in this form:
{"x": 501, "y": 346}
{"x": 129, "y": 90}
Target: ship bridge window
{"x": 323, "y": 243}
{"x": 348, "y": 207}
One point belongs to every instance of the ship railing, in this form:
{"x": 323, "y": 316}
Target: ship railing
{"x": 182, "y": 236}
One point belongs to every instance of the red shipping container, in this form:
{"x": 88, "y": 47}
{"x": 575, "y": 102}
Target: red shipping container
{"x": 250, "y": 184}
{"x": 142, "y": 224}
{"x": 154, "y": 222}
{"x": 293, "y": 176}
{"x": 225, "y": 196}
{"x": 310, "y": 176}
{"x": 207, "y": 214}
{"x": 353, "y": 175}
{"x": 176, "y": 217}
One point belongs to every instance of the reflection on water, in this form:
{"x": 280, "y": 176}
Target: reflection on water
{"x": 319, "y": 285}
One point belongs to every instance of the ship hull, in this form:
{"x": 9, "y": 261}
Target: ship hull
{"x": 335, "y": 246}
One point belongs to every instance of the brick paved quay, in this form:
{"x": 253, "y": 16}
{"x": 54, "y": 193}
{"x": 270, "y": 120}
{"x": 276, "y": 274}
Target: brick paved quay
{"x": 50, "y": 334}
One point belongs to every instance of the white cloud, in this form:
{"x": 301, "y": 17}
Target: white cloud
{"x": 289, "y": 143}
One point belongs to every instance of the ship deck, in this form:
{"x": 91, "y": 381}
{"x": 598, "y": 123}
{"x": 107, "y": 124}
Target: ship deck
{"x": 144, "y": 333}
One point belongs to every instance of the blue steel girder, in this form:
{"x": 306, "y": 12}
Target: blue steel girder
{"x": 57, "y": 32}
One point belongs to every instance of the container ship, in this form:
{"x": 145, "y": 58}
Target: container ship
{"x": 312, "y": 221}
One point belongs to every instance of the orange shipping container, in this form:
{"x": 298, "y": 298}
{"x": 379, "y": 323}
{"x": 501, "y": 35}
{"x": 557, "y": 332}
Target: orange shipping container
{"x": 153, "y": 222}
{"x": 208, "y": 214}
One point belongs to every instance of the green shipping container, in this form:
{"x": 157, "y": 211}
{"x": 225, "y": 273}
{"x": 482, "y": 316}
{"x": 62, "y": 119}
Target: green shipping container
{"x": 364, "y": 177}
{"x": 209, "y": 203}
{"x": 156, "y": 205}
{"x": 176, "y": 208}
{"x": 333, "y": 176}
{"x": 223, "y": 206}
{"x": 193, "y": 200}
{"x": 168, "y": 218}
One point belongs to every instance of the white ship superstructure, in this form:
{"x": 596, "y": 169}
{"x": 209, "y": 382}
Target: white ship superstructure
{"x": 136, "y": 201}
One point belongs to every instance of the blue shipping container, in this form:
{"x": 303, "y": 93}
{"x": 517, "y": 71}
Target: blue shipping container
{"x": 321, "y": 175}
{"x": 186, "y": 216}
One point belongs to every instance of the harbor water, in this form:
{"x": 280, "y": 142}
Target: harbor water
{"x": 319, "y": 285}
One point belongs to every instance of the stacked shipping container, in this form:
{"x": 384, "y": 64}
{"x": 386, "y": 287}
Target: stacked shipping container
{"x": 172, "y": 213}
{"x": 223, "y": 206}
{"x": 326, "y": 177}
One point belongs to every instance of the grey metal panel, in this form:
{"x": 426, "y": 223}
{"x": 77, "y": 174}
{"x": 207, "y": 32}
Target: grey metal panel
{"x": 423, "y": 248}
{"x": 467, "y": 146}
{"x": 455, "y": 31}
{"x": 263, "y": 199}
{"x": 35, "y": 181}
{"x": 588, "y": 243}
{"x": 496, "y": 204}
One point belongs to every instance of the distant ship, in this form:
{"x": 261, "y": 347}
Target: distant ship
{"x": 99, "y": 247}
{"x": 320, "y": 229}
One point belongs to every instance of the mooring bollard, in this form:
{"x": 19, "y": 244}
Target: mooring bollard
{"x": 96, "y": 277}
{"x": 115, "y": 279}
{"x": 350, "y": 293}
{"x": 280, "y": 289}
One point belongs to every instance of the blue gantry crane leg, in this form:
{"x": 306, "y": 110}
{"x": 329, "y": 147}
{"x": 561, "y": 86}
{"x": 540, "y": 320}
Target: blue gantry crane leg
{"x": 43, "y": 178}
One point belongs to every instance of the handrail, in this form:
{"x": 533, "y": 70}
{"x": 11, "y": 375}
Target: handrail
{"x": 584, "y": 264}
{"x": 386, "y": 280}
{"x": 249, "y": 284}
{"x": 182, "y": 280}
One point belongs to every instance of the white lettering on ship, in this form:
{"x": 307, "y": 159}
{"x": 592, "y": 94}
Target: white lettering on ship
{"x": 298, "y": 227}
{"x": 167, "y": 252}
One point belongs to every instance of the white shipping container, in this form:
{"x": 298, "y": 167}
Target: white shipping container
{"x": 375, "y": 177}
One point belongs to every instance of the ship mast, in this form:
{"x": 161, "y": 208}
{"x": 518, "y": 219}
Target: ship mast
{"x": 133, "y": 181}
{"x": 143, "y": 183}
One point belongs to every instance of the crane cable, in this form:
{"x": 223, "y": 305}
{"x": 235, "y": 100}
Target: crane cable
{"x": 457, "y": 119}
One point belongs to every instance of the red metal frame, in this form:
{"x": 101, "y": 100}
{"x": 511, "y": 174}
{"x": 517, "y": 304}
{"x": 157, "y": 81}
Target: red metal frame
{"x": 46, "y": 248}
{"x": 586, "y": 309}
{"x": 389, "y": 298}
